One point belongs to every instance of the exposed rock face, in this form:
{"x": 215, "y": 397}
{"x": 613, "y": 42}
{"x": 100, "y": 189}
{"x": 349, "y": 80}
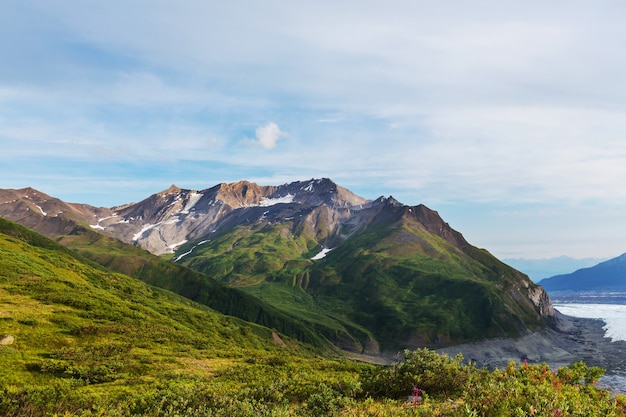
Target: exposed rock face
{"x": 44, "y": 214}
{"x": 542, "y": 302}
{"x": 166, "y": 220}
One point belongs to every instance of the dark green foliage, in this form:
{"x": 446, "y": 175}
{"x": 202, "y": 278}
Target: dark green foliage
{"x": 324, "y": 401}
{"x": 450, "y": 387}
{"x": 438, "y": 375}
{"x": 330, "y": 388}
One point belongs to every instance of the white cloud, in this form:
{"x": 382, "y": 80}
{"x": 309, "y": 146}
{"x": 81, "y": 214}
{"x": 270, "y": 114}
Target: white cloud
{"x": 268, "y": 135}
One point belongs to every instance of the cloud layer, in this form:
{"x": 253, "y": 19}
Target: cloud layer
{"x": 472, "y": 108}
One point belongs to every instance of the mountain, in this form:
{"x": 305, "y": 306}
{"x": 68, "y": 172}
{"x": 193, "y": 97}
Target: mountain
{"x": 44, "y": 214}
{"x": 606, "y": 276}
{"x": 538, "y": 269}
{"x": 167, "y": 220}
{"x": 369, "y": 276}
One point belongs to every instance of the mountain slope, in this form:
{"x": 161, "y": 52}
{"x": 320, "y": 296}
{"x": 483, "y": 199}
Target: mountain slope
{"x": 370, "y": 276}
{"x": 44, "y": 214}
{"x": 427, "y": 285}
{"x": 70, "y": 318}
{"x": 67, "y": 223}
{"x": 604, "y": 277}
{"x": 402, "y": 278}
{"x": 167, "y": 220}
{"x": 196, "y": 286}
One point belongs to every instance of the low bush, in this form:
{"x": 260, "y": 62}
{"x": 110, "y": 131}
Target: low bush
{"x": 436, "y": 375}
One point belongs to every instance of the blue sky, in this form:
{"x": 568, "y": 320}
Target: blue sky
{"x": 508, "y": 118}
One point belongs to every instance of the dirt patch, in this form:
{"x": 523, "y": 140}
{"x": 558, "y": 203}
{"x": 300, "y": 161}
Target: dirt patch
{"x": 277, "y": 340}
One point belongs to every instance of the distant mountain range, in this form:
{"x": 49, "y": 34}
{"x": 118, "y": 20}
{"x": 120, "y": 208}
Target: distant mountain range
{"x": 608, "y": 276}
{"x": 538, "y": 269}
{"x": 310, "y": 259}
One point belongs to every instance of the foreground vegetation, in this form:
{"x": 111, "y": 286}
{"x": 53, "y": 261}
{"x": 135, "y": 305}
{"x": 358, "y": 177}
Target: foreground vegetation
{"x": 286, "y": 385}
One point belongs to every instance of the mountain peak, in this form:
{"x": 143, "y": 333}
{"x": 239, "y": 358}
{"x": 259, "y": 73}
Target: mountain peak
{"x": 388, "y": 201}
{"x": 172, "y": 190}
{"x": 242, "y": 193}
{"x": 29, "y": 192}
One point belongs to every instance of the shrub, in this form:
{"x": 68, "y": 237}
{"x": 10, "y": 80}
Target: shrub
{"x": 436, "y": 375}
{"x": 39, "y": 400}
{"x": 324, "y": 402}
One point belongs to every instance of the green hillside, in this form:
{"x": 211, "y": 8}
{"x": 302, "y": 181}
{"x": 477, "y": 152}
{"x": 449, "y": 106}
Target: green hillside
{"x": 393, "y": 284}
{"x": 75, "y": 319}
{"x": 84, "y": 338}
{"x": 270, "y": 262}
{"x": 415, "y": 288}
{"x": 191, "y": 284}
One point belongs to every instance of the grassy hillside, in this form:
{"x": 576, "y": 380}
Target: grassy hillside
{"x": 417, "y": 288}
{"x": 85, "y": 337}
{"x": 191, "y": 284}
{"x": 391, "y": 285}
{"x": 272, "y": 262}
{"x": 72, "y": 318}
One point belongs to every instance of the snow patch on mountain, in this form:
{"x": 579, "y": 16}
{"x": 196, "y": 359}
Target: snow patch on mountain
{"x": 309, "y": 188}
{"x": 143, "y": 230}
{"x": 175, "y": 245}
{"x": 266, "y": 202}
{"x": 194, "y": 197}
{"x": 99, "y": 226}
{"x": 321, "y": 254}
{"x": 179, "y": 257}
